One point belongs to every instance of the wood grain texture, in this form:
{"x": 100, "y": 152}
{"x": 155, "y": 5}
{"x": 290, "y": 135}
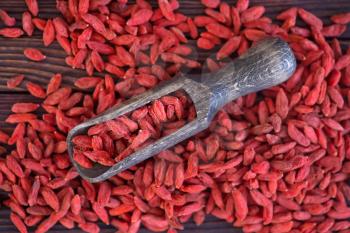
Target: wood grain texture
{"x": 269, "y": 63}
{"x": 12, "y": 62}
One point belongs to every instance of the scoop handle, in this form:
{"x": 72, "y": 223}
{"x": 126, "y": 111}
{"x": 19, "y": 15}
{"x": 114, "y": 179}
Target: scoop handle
{"x": 268, "y": 63}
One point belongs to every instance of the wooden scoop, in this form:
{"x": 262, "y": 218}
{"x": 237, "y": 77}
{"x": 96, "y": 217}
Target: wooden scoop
{"x": 267, "y": 64}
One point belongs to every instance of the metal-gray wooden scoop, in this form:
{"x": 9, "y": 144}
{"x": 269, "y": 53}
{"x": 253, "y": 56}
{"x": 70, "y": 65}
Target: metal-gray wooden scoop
{"x": 267, "y": 64}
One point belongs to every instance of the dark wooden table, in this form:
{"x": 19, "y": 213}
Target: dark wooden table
{"x": 12, "y": 62}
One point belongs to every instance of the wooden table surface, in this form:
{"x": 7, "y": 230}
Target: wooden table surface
{"x": 12, "y": 62}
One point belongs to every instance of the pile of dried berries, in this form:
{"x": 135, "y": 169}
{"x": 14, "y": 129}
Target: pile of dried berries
{"x": 276, "y": 161}
{"x": 114, "y": 140}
